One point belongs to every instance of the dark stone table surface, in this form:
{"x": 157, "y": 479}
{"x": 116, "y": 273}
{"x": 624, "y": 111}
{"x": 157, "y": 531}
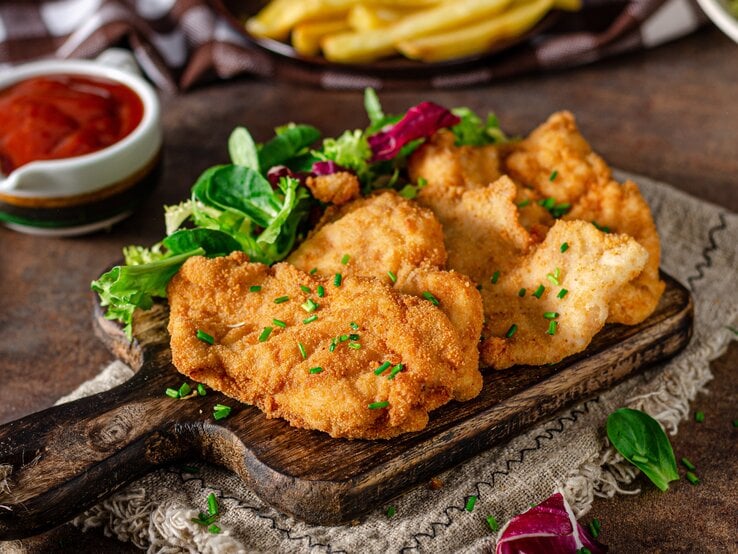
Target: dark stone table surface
{"x": 670, "y": 113}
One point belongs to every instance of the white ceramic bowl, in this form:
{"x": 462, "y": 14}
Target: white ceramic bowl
{"x": 717, "y": 10}
{"x": 81, "y": 194}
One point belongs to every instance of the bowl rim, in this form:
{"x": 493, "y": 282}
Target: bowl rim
{"x": 720, "y": 16}
{"x": 150, "y": 119}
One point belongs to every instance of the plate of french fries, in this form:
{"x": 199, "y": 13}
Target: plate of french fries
{"x": 375, "y": 32}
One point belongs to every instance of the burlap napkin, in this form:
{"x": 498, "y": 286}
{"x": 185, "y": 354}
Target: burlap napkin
{"x": 182, "y": 42}
{"x": 568, "y": 452}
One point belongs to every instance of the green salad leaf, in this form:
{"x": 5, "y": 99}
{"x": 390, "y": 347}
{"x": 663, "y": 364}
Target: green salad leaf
{"x": 242, "y": 149}
{"x": 641, "y": 440}
{"x": 472, "y": 131}
{"x": 291, "y": 140}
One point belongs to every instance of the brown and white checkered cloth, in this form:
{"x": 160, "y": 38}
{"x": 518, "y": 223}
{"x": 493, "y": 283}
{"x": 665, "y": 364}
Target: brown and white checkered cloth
{"x": 179, "y": 43}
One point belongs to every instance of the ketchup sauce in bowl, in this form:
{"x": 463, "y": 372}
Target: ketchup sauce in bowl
{"x": 80, "y": 145}
{"x": 62, "y": 116}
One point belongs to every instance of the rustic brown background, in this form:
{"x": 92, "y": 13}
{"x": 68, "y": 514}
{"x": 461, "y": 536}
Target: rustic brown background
{"x": 670, "y": 113}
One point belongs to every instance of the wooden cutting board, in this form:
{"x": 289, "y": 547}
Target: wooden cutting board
{"x": 65, "y": 459}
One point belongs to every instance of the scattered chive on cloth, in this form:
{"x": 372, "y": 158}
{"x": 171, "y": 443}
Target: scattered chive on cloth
{"x": 180, "y": 43}
{"x": 569, "y": 452}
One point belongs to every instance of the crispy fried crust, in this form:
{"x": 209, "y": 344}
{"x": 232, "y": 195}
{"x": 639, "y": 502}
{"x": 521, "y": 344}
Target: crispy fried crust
{"x": 381, "y": 233}
{"x": 592, "y": 270}
{"x": 213, "y": 295}
{"x": 557, "y": 162}
{"x": 336, "y": 188}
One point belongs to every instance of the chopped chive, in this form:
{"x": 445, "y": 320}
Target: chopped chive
{"x": 281, "y": 299}
{"x": 310, "y": 319}
{"x": 495, "y": 277}
{"x": 392, "y": 276}
{"x": 213, "y": 529}
{"x": 689, "y": 465}
{"x": 430, "y": 298}
{"x": 539, "y": 291}
{"x": 354, "y": 345}
{"x": 309, "y": 305}
{"x": 564, "y": 246}
{"x": 354, "y": 336}
{"x": 552, "y": 327}
{"x": 345, "y": 259}
{"x": 692, "y": 478}
{"x": 492, "y": 523}
{"x": 547, "y": 203}
{"x": 699, "y": 417}
{"x": 422, "y": 182}
{"x": 553, "y": 278}
{"x": 201, "y": 389}
{"x": 265, "y": 334}
{"x": 391, "y": 511}
{"x": 354, "y": 325}
{"x": 337, "y": 279}
{"x": 511, "y": 331}
{"x": 395, "y": 370}
{"x": 551, "y": 315}
{"x": 303, "y": 288}
{"x": 172, "y": 393}
{"x": 470, "y": 503}
{"x": 204, "y": 337}
{"x": 735, "y": 423}
{"x": 303, "y": 352}
{"x": 583, "y": 550}
{"x": 212, "y": 504}
{"x": 221, "y": 411}
{"x": 184, "y": 390}
{"x": 279, "y": 323}
{"x": 562, "y": 293}
{"x": 382, "y": 368}
{"x": 333, "y": 345}
{"x": 553, "y": 175}
{"x": 594, "y": 527}
{"x": 343, "y": 338}
{"x": 640, "y": 459}
{"x": 521, "y": 293}
{"x": 603, "y": 228}
{"x": 255, "y": 288}
{"x": 321, "y": 291}
{"x": 313, "y": 271}
{"x": 314, "y": 370}
{"x": 378, "y": 405}
{"x": 523, "y": 203}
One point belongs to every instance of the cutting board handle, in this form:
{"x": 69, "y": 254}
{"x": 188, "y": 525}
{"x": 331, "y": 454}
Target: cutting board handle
{"x": 58, "y": 462}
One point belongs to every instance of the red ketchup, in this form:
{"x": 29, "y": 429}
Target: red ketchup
{"x": 62, "y": 116}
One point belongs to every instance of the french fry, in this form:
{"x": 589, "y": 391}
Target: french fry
{"x": 474, "y": 39}
{"x": 365, "y": 17}
{"x": 370, "y": 45}
{"x": 306, "y": 36}
{"x": 277, "y": 19}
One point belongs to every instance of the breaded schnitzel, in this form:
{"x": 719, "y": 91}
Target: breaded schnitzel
{"x": 317, "y": 366}
{"x": 557, "y": 162}
{"x": 398, "y": 242}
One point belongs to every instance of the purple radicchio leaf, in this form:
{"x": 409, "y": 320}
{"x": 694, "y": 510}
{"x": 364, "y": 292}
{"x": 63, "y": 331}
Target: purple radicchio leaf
{"x": 278, "y": 171}
{"x": 549, "y": 528}
{"x": 327, "y": 167}
{"x": 420, "y": 121}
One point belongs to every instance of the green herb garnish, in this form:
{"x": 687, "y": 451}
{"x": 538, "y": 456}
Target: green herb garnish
{"x": 539, "y": 291}
{"x": 254, "y": 288}
{"x": 511, "y": 331}
{"x": 303, "y": 352}
{"x": 382, "y": 368}
{"x": 552, "y": 326}
{"x": 310, "y": 305}
{"x": 281, "y": 299}
{"x": 172, "y": 393}
{"x": 279, "y": 323}
{"x": 204, "y": 337}
{"x": 321, "y": 291}
{"x": 692, "y": 478}
{"x": 395, "y": 370}
{"x": 392, "y": 276}
{"x": 553, "y": 175}
{"x": 337, "y": 279}
{"x": 595, "y": 527}
{"x": 470, "y": 502}
{"x": 562, "y": 293}
{"x": 495, "y": 277}
{"x": 378, "y": 405}
{"x": 689, "y": 465}
{"x": 391, "y": 511}
{"x": 184, "y": 389}
{"x": 492, "y": 524}
{"x": 314, "y": 370}
{"x": 699, "y": 417}
{"x": 221, "y": 411}
{"x": 310, "y": 319}
{"x": 201, "y": 389}
{"x": 265, "y": 334}
{"x": 345, "y": 259}
{"x": 521, "y": 293}
{"x": 564, "y": 247}
{"x": 430, "y": 298}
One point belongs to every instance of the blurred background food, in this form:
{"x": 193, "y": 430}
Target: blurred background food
{"x": 361, "y": 31}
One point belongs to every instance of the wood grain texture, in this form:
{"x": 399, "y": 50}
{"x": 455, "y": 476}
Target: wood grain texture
{"x": 67, "y": 458}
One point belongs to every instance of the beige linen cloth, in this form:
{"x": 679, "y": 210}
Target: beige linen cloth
{"x": 569, "y": 452}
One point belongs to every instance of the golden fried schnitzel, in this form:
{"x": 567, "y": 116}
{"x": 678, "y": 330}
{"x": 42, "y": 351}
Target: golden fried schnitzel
{"x": 396, "y": 241}
{"x": 554, "y": 300}
{"x": 309, "y": 348}
{"x": 558, "y": 163}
